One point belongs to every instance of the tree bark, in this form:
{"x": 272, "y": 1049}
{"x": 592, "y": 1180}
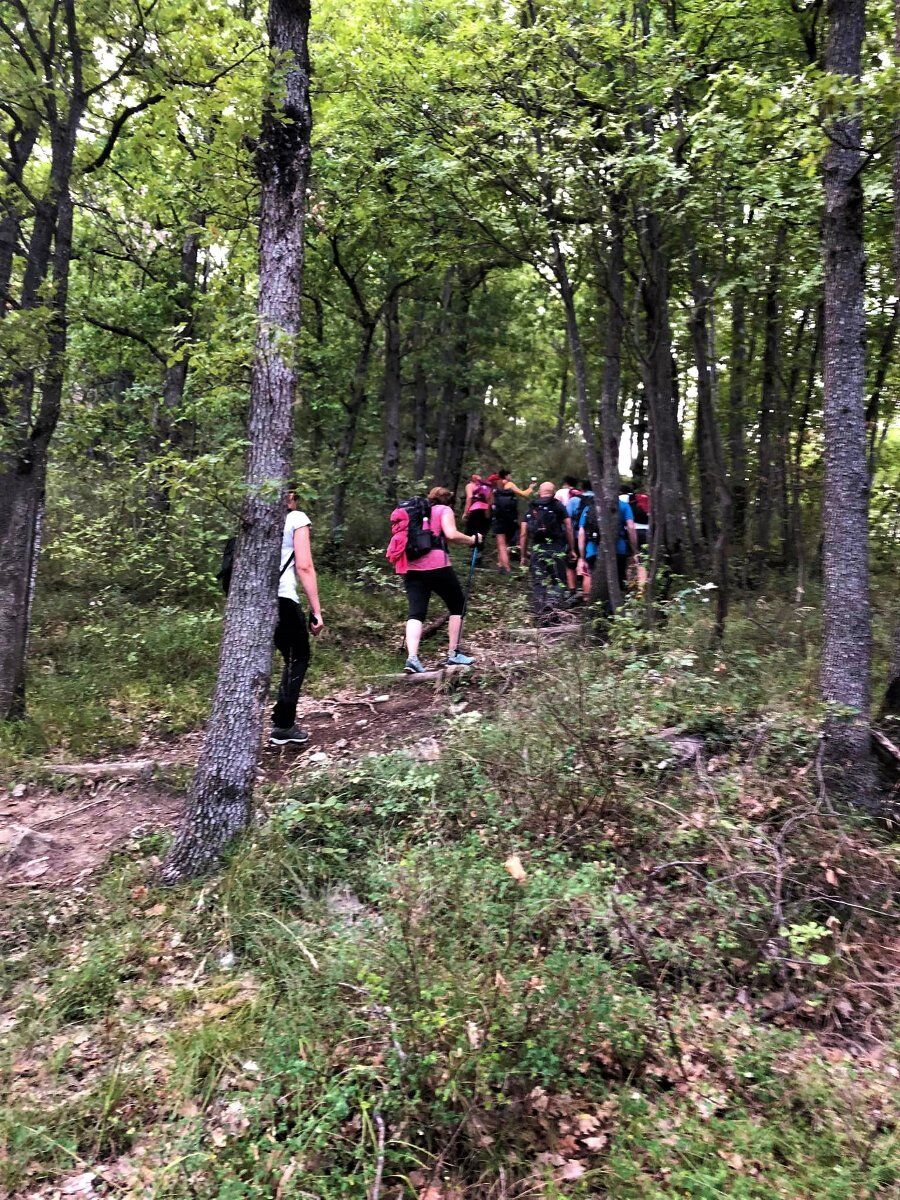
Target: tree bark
{"x": 847, "y": 648}
{"x": 769, "y": 406}
{"x": 25, "y": 434}
{"x": 391, "y": 393}
{"x": 714, "y": 489}
{"x": 177, "y": 371}
{"x": 353, "y": 409}
{"x": 420, "y": 398}
{"x": 668, "y": 517}
{"x": 737, "y": 414}
{"x": 222, "y": 792}
{"x": 610, "y": 388}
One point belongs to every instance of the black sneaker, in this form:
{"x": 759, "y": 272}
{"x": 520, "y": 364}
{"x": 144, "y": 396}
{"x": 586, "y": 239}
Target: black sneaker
{"x": 295, "y": 736}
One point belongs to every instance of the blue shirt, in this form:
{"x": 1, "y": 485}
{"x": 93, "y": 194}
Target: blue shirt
{"x": 625, "y": 514}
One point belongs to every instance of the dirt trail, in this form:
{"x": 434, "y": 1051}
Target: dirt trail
{"x": 60, "y": 829}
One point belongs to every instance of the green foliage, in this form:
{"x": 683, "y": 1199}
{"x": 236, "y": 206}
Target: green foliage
{"x": 546, "y": 953}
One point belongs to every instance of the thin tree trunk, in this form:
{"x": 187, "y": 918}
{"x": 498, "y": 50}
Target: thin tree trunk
{"x": 177, "y": 370}
{"x": 610, "y": 388}
{"x": 711, "y": 460}
{"x": 26, "y": 434}
{"x": 390, "y": 458}
{"x": 769, "y": 405}
{"x": 222, "y": 792}
{"x": 420, "y": 397}
{"x": 352, "y": 409}
{"x": 563, "y": 399}
{"x": 668, "y": 517}
{"x": 847, "y": 648}
{"x": 447, "y": 340}
{"x": 799, "y": 541}
{"x": 737, "y": 391}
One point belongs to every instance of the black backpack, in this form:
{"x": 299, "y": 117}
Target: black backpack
{"x": 505, "y": 503}
{"x": 419, "y": 538}
{"x": 227, "y": 565}
{"x": 544, "y": 522}
{"x": 591, "y": 528}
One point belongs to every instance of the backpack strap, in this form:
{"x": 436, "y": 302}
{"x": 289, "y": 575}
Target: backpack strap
{"x": 286, "y": 565}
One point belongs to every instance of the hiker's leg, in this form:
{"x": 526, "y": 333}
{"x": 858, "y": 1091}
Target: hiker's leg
{"x": 454, "y": 625}
{"x": 418, "y": 593}
{"x": 292, "y": 642}
{"x": 622, "y": 568}
{"x": 448, "y": 587}
{"x": 502, "y": 552}
{"x": 413, "y": 637}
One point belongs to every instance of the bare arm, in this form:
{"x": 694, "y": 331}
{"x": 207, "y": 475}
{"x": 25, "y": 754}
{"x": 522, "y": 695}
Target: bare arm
{"x": 469, "y": 490}
{"x": 582, "y": 541}
{"x": 631, "y": 530}
{"x": 306, "y": 574}
{"x": 570, "y": 537}
{"x": 511, "y": 487}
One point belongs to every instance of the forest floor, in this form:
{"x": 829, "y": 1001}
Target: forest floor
{"x": 582, "y": 925}
{"x": 62, "y": 824}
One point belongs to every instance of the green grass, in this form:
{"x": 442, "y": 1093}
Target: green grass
{"x": 107, "y": 670}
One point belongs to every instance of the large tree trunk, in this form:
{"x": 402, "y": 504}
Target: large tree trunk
{"x": 25, "y": 434}
{"x": 847, "y": 648}
{"x": 390, "y": 457}
{"x": 222, "y": 792}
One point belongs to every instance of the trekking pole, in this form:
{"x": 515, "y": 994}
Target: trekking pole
{"x": 466, "y": 591}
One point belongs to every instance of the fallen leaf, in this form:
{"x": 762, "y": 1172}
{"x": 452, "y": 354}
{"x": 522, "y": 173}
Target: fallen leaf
{"x": 571, "y": 1169}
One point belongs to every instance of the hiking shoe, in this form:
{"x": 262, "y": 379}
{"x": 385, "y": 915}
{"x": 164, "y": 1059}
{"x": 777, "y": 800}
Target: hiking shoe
{"x": 414, "y": 666}
{"x": 295, "y": 736}
{"x": 458, "y": 659}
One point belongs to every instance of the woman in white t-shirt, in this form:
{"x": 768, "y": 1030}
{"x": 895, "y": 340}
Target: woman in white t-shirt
{"x": 292, "y": 630}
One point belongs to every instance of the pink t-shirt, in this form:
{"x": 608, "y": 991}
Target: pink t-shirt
{"x": 434, "y": 559}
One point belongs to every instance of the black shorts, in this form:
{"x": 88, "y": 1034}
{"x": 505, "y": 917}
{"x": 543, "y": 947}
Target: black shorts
{"x": 507, "y": 524}
{"x": 443, "y": 582}
{"x": 478, "y": 521}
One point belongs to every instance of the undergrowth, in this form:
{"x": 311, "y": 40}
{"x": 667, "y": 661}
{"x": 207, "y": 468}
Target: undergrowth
{"x": 614, "y": 942}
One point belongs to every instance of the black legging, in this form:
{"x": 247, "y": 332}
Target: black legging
{"x": 443, "y": 582}
{"x": 292, "y": 643}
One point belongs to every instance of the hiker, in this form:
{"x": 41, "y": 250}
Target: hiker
{"x": 640, "y": 507}
{"x": 565, "y": 495}
{"x": 292, "y": 631}
{"x": 548, "y": 529}
{"x": 626, "y": 543}
{"x": 569, "y": 485}
{"x": 430, "y": 570}
{"x": 477, "y": 509}
{"x": 505, "y": 508}
{"x": 582, "y": 513}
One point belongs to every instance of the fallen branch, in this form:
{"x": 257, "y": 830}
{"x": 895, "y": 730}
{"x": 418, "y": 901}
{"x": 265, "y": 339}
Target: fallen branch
{"x": 141, "y": 768}
{"x": 425, "y": 676}
{"x": 544, "y": 631}
{"x": 885, "y": 748}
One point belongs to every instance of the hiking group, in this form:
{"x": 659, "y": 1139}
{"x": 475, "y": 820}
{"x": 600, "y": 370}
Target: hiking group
{"x": 557, "y": 540}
